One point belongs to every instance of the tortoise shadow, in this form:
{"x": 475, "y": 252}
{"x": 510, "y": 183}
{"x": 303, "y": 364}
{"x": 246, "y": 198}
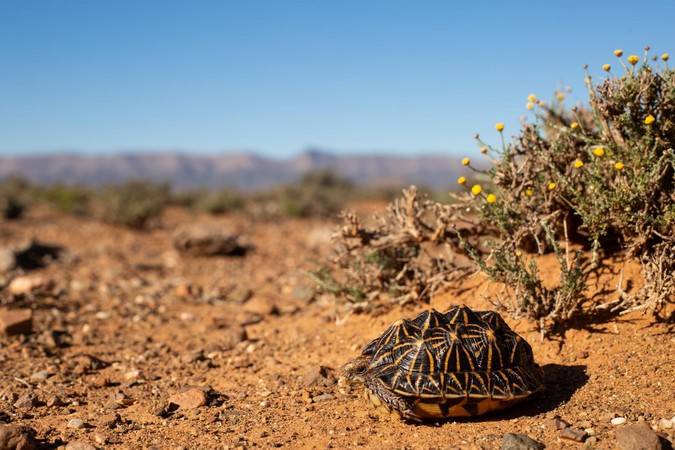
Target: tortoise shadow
{"x": 560, "y": 383}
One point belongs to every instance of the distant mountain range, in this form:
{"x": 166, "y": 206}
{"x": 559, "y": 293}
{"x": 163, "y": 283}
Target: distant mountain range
{"x": 245, "y": 171}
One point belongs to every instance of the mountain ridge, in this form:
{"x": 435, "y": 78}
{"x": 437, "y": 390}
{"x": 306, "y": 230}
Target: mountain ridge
{"x": 242, "y": 170}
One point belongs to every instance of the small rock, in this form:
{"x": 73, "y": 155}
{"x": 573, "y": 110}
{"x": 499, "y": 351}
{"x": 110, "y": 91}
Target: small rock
{"x": 27, "y": 400}
{"x": 7, "y": 259}
{"x": 16, "y": 321}
{"x": 42, "y": 375}
{"x": 512, "y": 441}
{"x": 314, "y": 374}
{"x": 261, "y": 305}
{"x": 189, "y": 399}
{"x": 240, "y": 294}
{"x": 76, "y": 423}
{"x": 637, "y": 436}
{"x": 27, "y": 285}
{"x": 665, "y": 424}
{"x": 206, "y": 240}
{"x": 233, "y": 335}
{"x": 322, "y": 398}
{"x": 583, "y": 355}
{"x": 556, "y": 423}
{"x": 13, "y": 437}
{"x": 79, "y": 445}
{"x": 55, "y": 401}
{"x": 618, "y": 421}
{"x": 573, "y": 434}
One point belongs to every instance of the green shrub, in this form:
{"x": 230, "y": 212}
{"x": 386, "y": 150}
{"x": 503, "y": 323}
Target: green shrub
{"x": 134, "y": 203}
{"x": 16, "y": 194}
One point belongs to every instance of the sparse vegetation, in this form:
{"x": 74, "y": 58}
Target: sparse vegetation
{"x": 599, "y": 176}
{"x": 135, "y": 203}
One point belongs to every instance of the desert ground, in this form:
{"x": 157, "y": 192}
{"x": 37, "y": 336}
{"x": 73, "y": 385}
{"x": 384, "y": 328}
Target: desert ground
{"x": 133, "y": 345}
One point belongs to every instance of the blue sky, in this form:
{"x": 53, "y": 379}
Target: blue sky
{"x": 278, "y": 76}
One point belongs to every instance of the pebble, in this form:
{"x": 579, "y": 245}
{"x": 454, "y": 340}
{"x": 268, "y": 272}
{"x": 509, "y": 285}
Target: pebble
{"x": 556, "y": 423}
{"x": 27, "y": 400}
{"x": 79, "y": 445}
{"x": 618, "y": 421}
{"x": 7, "y": 259}
{"x": 314, "y": 374}
{"x": 16, "y": 321}
{"x": 189, "y": 399}
{"x": 665, "y": 424}
{"x": 76, "y": 423}
{"x": 41, "y": 375}
{"x": 28, "y": 284}
{"x": 263, "y": 306}
{"x": 512, "y": 441}
{"x": 637, "y": 436}
{"x": 322, "y": 398}
{"x": 17, "y": 437}
{"x": 573, "y": 434}
{"x": 206, "y": 240}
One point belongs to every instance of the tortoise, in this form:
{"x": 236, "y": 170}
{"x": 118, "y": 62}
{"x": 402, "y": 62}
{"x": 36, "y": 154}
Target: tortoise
{"x": 454, "y": 364}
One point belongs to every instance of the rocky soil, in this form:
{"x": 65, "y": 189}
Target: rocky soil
{"x": 114, "y": 338}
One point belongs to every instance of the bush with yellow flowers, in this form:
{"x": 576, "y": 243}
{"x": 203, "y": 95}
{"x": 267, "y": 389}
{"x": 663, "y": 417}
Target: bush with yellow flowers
{"x": 600, "y": 176}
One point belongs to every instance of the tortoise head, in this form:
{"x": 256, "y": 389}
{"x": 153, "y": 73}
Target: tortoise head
{"x": 356, "y": 370}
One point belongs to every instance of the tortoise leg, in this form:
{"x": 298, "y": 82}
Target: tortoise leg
{"x": 381, "y": 397}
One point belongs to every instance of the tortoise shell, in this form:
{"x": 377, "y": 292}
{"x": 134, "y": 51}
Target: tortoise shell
{"x": 438, "y": 365}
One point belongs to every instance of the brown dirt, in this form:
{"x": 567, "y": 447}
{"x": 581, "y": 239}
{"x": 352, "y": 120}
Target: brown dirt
{"x": 128, "y": 323}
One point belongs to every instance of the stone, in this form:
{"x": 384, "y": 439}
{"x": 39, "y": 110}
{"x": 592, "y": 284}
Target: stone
{"x": 16, "y": 321}
{"x": 512, "y": 441}
{"x": 618, "y": 421}
{"x": 76, "y": 423}
{"x": 573, "y": 434}
{"x": 189, "y": 399}
{"x": 7, "y": 260}
{"x": 665, "y": 424}
{"x": 637, "y": 436}
{"x": 556, "y": 423}
{"x": 25, "y": 285}
{"x": 13, "y": 437}
{"x": 261, "y": 305}
{"x": 206, "y": 240}
{"x": 79, "y": 445}
{"x": 313, "y": 374}
{"x": 27, "y": 400}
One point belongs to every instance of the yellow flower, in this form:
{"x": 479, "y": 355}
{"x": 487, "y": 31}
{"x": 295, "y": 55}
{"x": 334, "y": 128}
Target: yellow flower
{"x": 560, "y": 96}
{"x": 529, "y": 105}
{"x": 551, "y": 186}
{"x": 578, "y": 164}
{"x": 531, "y": 97}
{"x": 499, "y": 127}
{"x": 541, "y": 103}
{"x": 606, "y": 67}
{"x": 483, "y": 149}
{"x": 618, "y": 166}
{"x": 633, "y": 59}
{"x": 519, "y": 253}
{"x": 466, "y": 161}
{"x": 461, "y": 181}
{"x": 665, "y": 56}
{"x": 599, "y": 151}
{"x": 618, "y": 53}
{"x": 574, "y": 125}
{"x": 649, "y": 119}
{"x": 491, "y": 198}
{"x": 529, "y": 192}
{"x": 476, "y": 189}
